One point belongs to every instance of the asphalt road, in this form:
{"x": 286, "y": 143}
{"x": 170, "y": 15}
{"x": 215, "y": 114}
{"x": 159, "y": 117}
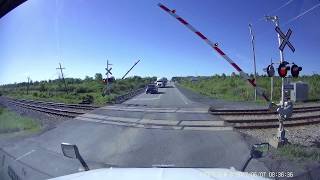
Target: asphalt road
{"x": 169, "y": 96}
{"x": 105, "y": 145}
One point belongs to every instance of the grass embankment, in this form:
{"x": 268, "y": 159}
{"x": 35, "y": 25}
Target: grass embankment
{"x": 296, "y": 152}
{"x": 12, "y": 122}
{"x": 78, "y": 89}
{"x": 234, "y": 88}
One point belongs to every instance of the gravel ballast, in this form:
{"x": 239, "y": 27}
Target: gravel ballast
{"x": 308, "y": 135}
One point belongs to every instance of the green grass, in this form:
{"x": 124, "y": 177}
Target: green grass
{"x": 297, "y": 152}
{"x": 53, "y": 90}
{"x": 236, "y": 89}
{"x": 12, "y": 122}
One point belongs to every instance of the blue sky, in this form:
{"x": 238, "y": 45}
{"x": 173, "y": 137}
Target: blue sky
{"x": 83, "y": 34}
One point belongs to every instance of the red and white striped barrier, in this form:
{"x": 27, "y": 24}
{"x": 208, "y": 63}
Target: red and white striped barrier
{"x": 215, "y": 47}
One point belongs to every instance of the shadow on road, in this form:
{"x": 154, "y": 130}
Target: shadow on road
{"x": 158, "y": 93}
{"x": 167, "y": 87}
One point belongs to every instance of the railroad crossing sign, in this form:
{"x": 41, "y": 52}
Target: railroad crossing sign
{"x": 285, "y": 39}
{"x": 108, "y": 71}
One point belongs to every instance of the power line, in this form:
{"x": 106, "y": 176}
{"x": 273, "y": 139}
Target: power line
{"x": 276, "y": 10}
{"x": 302, "y": 14}
{"x": 284, "y": 5}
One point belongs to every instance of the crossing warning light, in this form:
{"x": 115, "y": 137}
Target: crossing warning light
{"x": 108, "y": 80}
{"x": 295, "y": 70}
{"x": 270, "y": 70}
{"x": 111, "y": 79}
{"x": 283, "y": 69}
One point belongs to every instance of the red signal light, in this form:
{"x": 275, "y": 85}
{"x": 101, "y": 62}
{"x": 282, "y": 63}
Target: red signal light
{"x": 295, "y": 70}
{"x": 283, "y": 69}
{"x": 270, "y": 70}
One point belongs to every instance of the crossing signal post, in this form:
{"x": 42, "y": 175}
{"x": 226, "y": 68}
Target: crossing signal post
{"x": 285, "y": 107}
{"x": 108, "y": 80}
{"x": 270, "y": 71}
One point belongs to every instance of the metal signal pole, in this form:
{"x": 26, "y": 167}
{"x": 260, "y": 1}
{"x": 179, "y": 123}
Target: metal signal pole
{"x": 254, "y": 61}
{"x": 275, "y": 19}
{"x": 64, "y": 81}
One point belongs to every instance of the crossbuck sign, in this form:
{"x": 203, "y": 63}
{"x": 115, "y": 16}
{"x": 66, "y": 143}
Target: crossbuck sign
{"x": 285, "y": 39}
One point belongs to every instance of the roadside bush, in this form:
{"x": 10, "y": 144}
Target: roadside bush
{"x": 43, "y": 95}
{"x": 43, "y": 87}
{"x": 82, "y": 89}
{"x": 35, "y": 94}
{"x": 88, "y": 99}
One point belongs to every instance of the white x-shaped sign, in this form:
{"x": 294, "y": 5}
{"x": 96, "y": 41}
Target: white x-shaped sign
{"x": 108, "y": 71}
{"x": 285, "y": 39}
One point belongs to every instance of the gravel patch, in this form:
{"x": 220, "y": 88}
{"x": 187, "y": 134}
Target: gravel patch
{"x": 308, "y": 135}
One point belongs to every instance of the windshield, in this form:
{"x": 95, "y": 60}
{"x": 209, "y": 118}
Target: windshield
{"x": 158, "y": 84}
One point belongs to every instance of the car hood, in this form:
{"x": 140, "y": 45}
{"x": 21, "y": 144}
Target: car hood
{"x": 160, "y": 174}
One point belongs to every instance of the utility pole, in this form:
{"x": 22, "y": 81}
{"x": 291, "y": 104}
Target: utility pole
{"x": 131, "y": 69}
{"x": 254, "y": 61}
{"x": 64, "y": 81}
{"x": 28, "y": 85}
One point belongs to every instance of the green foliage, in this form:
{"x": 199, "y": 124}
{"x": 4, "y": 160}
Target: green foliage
{"x": 10, "y": 122}
{"x": 87, "y": 99}
{"x": 43, "y": 87}
{"x": 236, "y": 89}
{"x": 98, "y": 77}
{"x": 53, "y": 90}
{"x": 297, "y": 152}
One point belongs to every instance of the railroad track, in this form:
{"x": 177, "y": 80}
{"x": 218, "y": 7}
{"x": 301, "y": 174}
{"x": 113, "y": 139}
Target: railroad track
{"x": 263, "y": 118}
{"x": 232, "y": 112}
{"x": 59, "y": 109}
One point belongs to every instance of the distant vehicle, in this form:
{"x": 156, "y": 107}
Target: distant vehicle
{"x": 162, "y": 82}
{"x": 152, "y": 88}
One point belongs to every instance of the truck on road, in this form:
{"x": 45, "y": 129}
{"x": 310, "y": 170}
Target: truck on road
{"x": 162, "y": 82}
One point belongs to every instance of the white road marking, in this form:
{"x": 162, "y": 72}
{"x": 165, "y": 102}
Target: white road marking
{"x": 26, "y": 154}
{"x": 203, "y": 110}
{"x": 147, "y": 99}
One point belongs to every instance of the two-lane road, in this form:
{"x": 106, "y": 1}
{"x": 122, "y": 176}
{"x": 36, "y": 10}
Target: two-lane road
{"x": 169, "y": 96}
{"x": 104, "y": 137}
